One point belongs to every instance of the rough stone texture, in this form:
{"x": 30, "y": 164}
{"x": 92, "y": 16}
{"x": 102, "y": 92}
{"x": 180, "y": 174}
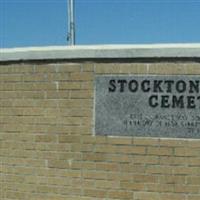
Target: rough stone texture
{"x": 48, "y": 149}
{"x": 148, "y": 105}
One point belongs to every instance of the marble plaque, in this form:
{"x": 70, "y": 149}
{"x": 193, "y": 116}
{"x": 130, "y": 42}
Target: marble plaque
{"x": 148, "y": 105}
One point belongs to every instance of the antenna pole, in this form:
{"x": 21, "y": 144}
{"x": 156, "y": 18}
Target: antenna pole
{"x": 71, "y": 23}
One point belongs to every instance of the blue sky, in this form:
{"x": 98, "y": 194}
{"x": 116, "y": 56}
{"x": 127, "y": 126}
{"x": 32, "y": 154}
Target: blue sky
{"x": 44, "y": 22}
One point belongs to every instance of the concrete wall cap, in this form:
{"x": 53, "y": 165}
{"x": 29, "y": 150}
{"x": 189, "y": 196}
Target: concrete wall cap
{"x": 101, "y": 51}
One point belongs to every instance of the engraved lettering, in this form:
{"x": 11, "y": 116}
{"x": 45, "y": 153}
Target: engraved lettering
{"x": 145, "y": 86}
{"x": 165, "y": 101}
{"x": 181, "y": 86}
{"x": 112, "y": 87}
{"x": 194, "y": 86}
{"x": 157, "y": 86}
{"x": 153, "y": 101}
{"x": 133, "y": 85}
{"x": 191, "y": 102}
{"x": 169, "y": 84}
{"x": 177, "y": 102}
{"x": 122, "y": 84}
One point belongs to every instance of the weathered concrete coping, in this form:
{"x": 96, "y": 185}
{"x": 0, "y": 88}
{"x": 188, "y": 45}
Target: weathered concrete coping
{"x": 101, "y": 51}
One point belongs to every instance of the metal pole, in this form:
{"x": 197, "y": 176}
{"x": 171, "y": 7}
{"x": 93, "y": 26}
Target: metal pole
{"x": 71, "y": 23}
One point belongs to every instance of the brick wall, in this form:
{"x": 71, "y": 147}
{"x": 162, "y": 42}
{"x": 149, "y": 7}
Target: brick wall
{"x": 48, "y": 150}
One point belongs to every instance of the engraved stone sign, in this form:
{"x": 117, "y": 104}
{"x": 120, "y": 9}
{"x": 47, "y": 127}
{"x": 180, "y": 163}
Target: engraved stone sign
{"x": 148, "y": 105}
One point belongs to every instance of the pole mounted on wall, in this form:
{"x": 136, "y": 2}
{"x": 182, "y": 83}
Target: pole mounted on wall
{"x": 71, "y": 23}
